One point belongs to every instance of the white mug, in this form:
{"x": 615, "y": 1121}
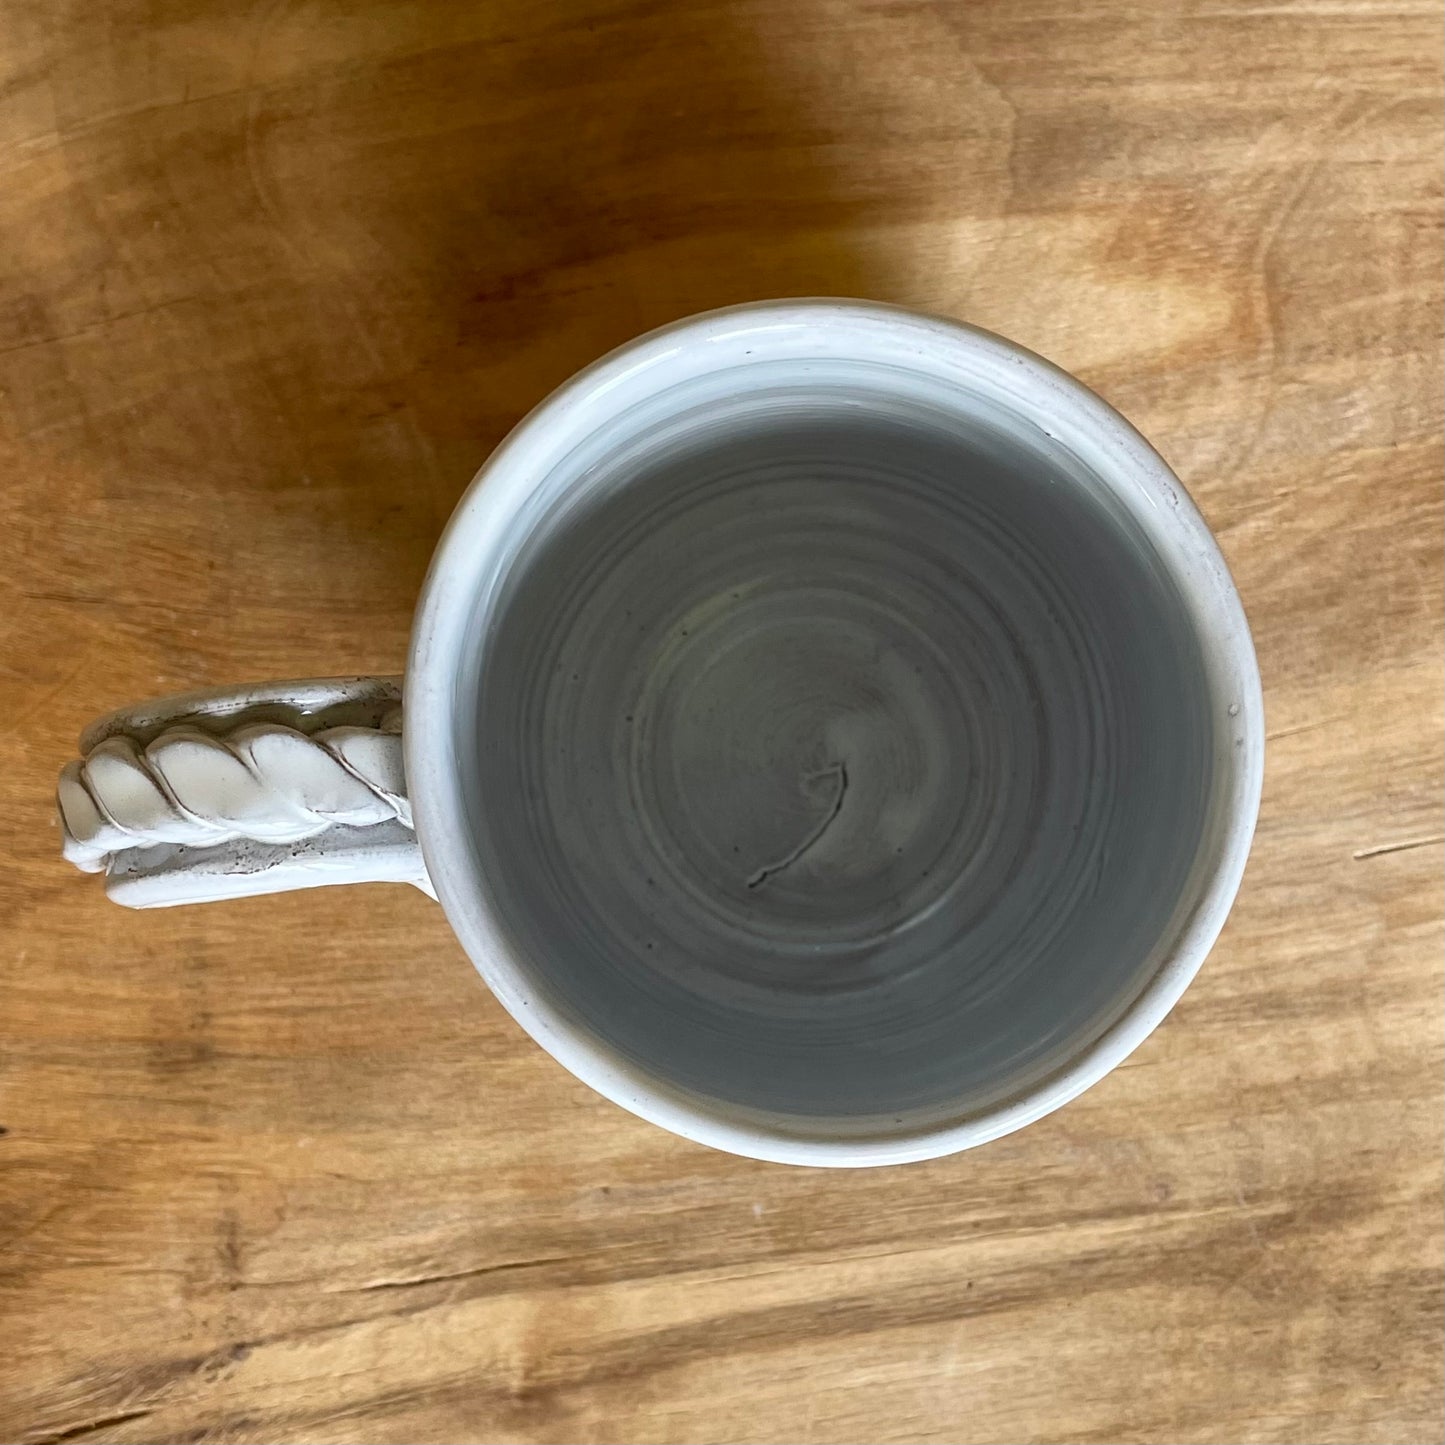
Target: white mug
{"x": 832, "y": 733}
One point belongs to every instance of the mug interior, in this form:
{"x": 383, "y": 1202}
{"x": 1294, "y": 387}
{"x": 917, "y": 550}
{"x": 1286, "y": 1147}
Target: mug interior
{"x": 839, "y": 750}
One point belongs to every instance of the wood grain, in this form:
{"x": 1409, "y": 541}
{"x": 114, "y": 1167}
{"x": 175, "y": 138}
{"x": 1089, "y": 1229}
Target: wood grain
{"x": 273, "y": 281}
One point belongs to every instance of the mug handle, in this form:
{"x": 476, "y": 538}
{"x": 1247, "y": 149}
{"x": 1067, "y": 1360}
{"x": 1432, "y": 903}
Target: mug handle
{"x": 244, "y": 790}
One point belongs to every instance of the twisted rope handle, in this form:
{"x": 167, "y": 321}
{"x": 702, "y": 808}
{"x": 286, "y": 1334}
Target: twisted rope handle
{"x": 265, "y": 782}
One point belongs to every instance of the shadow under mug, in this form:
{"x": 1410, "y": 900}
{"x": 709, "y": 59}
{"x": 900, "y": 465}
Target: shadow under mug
{"x": 832, "y": 733}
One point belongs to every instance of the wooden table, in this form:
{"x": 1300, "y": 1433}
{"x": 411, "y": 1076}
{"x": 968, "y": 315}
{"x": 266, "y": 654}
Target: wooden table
{"x": 273, "y": 281}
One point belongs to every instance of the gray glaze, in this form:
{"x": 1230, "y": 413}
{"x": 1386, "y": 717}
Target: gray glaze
{"x": 835, "y": 759}
{"x": 832, "y": 733}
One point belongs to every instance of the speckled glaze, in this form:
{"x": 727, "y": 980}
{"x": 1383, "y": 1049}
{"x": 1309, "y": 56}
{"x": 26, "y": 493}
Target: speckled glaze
{"x": 234, "y": 791}
{"x": 832, "y": 732}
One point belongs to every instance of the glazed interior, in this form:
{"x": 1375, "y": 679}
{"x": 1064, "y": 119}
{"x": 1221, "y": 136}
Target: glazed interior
{"x": 835, "y": 753}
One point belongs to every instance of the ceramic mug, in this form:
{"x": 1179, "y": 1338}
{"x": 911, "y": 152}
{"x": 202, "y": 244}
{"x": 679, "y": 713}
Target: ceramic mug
{"x": 832, "y": 733}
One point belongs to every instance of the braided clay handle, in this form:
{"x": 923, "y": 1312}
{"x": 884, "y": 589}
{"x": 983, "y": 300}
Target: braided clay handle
{"x": 243, "y": 790}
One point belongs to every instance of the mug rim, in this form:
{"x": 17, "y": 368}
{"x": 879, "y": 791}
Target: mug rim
{"x": 472, "y": 543}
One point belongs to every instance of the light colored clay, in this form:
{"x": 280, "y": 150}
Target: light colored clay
{"x": 832, "y": 733}
{"x": 206, "y": 796}
{"x": 786, "y": 361}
